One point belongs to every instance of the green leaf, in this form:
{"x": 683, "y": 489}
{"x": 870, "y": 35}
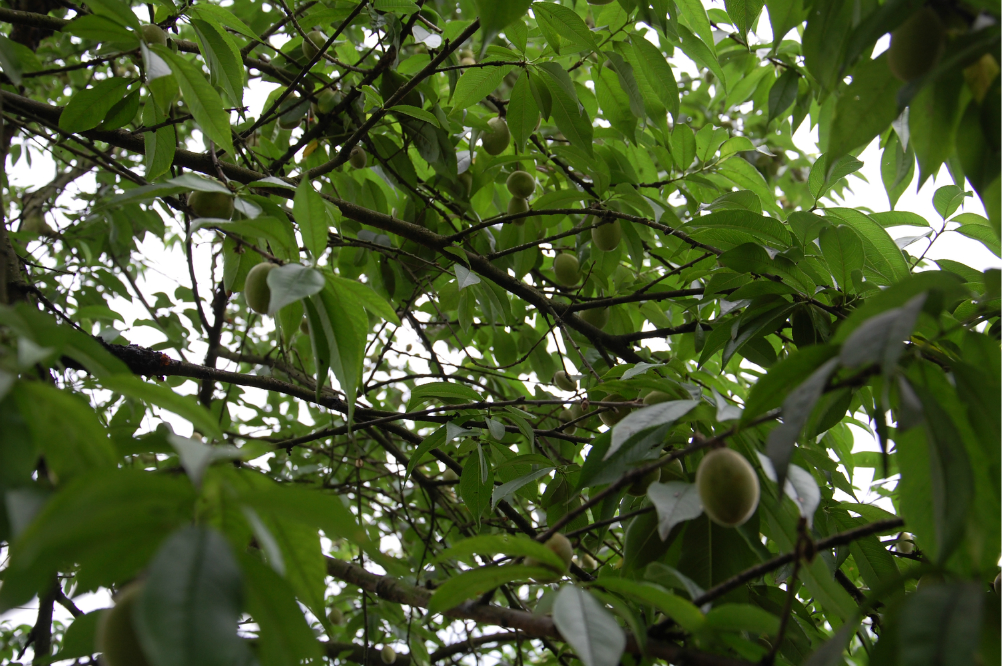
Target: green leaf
{"x": 825, "y": 174}
{"x": 469, "y": 584}
{"x": 939, "y": 625}
{"x": 102, "y": 29}
{"x": 367, "y": 297}
{"x": 291, "y": 283}
{"x": 783, "y": 93}
{"x": 656, "y": 73}
{"x": 344, "y": 324}
{"x": 676, "y": 502}
{"x": 948, "y": 199}
{"x": 284, "y": 636}
{"x": 588, "y": 627}
{"x": 881, "y": 338}
{"x": 202, "y": 99}
{"x": 701, "y": 54}
{"x": 311, "y": 215}
{"x": 506, "y": 490}
{"x": 115, "y": 10}
{"x": 770, "y": 390}
{"x": 160, "y": 145}
{"x": 221, "y": 16}
{"x": 565, "y": 22}
{"x": 865, "y": 108}
{"x": 476, "y": 83}
{"x": 570, "y": 116}
{"x": 742, "y": 617}
{"x": 188, "y": 611}
{"x": 883, "y": 256}
{"x": 682, "y": 611}
{"x": 9, "y": 61}
{"x": 450, "y": 392}
{"x": 88, "y": 108}
{"x": 984, "y": 235}
{"x": 683, "y": 146}
{"x": 165, "y": 398}
{"x": 494, "y": 16}
{"x": 522, "y": 113}
{"x": 744, "y": 13}
{"x": 474, "y": 489}
{"x": 897, "y": 166}
{"x": 510, "y": 545}
{"x": 644, "y": 419}
{"x": 79, "y": 639}
{"x": 843, "y": 251}
{"x": 762, "y": 229}
{"x": 226, "y": 69}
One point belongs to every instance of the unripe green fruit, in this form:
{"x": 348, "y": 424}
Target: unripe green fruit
{"x": 673, "y": 471}
{"x": 467, "y": 61}
{"x": 327, "y": 100}
{"x": 466, "y": 180}
{"x": 597, "y": 317}
{"x": 655, "y": 397}
{"x": 289, "y": 120}
{"x": 211, "y": 204}
{"x": 304, "y": 326}
{"x": 560, "y": 545}
{"x": 449, "y": 475}
{"x": 357, "y": 158}
{"x": 611, "y": 417}
{"x": 566, "y": 269}
{"x": 311, "y": 45}
{"x": 564, "y": 382}
{"x": 496, "y": 140}
{"x": 916, "y": 45}
{"x": 518, "y": 205}
{"x": 728, "y": 486}
{"x": 521, "y": 184}
{"x": 607, "y": 236}
{"x": 639, "y": 487}
{"x": 588, "y": 562}
{"x": 154, "y": 34}
{"x": 116, "y": 638}
{"x": 905, "y": 543}
{"x": 387, "y": 655}
{"x": 335, "y": 617}
{"x": 390, "y": 83}
{"x": 257, "y": 293}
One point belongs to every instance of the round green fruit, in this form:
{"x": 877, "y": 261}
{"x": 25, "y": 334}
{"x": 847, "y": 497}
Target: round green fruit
{"x": 335, "y": 617}
{"x": 257, "y": 293}
{"x": 388, "y": 655}
{"x": 916, "y": 45}
{"x": 450, "y": 475}
{"x": 566, "y": 269}
{"x": 673, "y": 471}
{"x": 518, "y": 205}
{"x": 211, "y": 204}
{"x": 611, "y": 417}
{"x": 116, "y": 638}
{"x": 564, "y": 382}
{"x": 154, "y": 34}
{"x": 357, "y": 158}
{"x": 467, "y": 61}
{"x": 304, "y": 326}
{"x": 728, "y": 486}
{"x": 311, "y": 45}
{"x": 639, "y": 487}
{"x": 906, "y": 543}
{"x": 497, "y": 139}
{"x": 289, "y": 120}
{"x": 655, "y": 397}
{"x": 597, "y": 317}
{"x": 521, "y": 184}
{"x": 607, "y": 236}
{"x": 390, "y": 83}
{"x": 327, "y": 100}
{"x": 560, "y": 545}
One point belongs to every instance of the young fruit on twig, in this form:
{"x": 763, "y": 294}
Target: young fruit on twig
{"x": 257, "y": 293}
{"x": 211, "y": 204}
{"x": 560, "y": 545}
{"x": 154, "y": 34}
{"x": 655, "y": 397}
{"x": 357, "y": 157}
{"x": 611, "y": 417}
{"x": 728, "y": 486}
{"x": 388, "y": 655}
{"x": 518, "y": 205}
{"x": 496, "y": 140}
{"x": 566, "y": 269}
{"x": 116, "y": 638}
{"x": 564, "y": 382}
{"x": 916, "y": 45}
{"x": 311, "y": 45}
{"x": 597, "y": 317}
{"x": 607, "y": 236}
{"x": 521, "y": 184}
{"x": 335, "y": 617}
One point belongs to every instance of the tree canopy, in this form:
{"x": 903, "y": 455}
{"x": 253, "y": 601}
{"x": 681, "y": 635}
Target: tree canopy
{"x": 504, "y": 330}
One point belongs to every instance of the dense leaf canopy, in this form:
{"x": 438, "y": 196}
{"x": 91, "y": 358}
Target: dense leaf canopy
{"x": 444, "y": 304}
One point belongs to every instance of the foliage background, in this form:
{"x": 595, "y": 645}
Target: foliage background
{"x": 92, "y": 248}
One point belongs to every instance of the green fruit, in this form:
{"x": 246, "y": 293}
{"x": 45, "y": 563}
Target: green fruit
{"x": 521, "y": 184}
{"x": 916, "y": 45}
{"x": 597, "y": 317}
{"x": 496, "y": 140}
{"x": 466, "y": 180}
{"x": 211, "y": 204}
{"x": 154, "y": 34}
{"x": 357, "y": 158}
{"x": 450, "y": 475}
{"x": 257, "y": 293}
{"x": 327, "y": 100}
{"x": 588, "y": 562}
{"x": 728, "y": 486}
{"x": 311, "y": 45}
{"x": 906, "y": 543}
{"x": 566, "y": 269}
{"x": 563, "y": 381}
{"x": 518, "y": 205}
{"x": 639, "y": 487}
{"x": 289, "y": 120}
{"x": 673, "y": 471}
{"x": 335, "y": 617}
{"x": 560, "y": 545}
{"x": 390, "y": 82}
{"x": 467, "y": 61}
{"x": 607, "y": 236}
{"x": 611, "y": 417}
{"x": 387, "y": 655}
{"x": 116, "y": 638}
{"x": 304, "y": 326}
{"x": 655, "y": 397}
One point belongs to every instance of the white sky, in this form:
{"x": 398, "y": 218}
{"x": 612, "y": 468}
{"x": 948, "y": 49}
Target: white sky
{"x": 168, "y": 269}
